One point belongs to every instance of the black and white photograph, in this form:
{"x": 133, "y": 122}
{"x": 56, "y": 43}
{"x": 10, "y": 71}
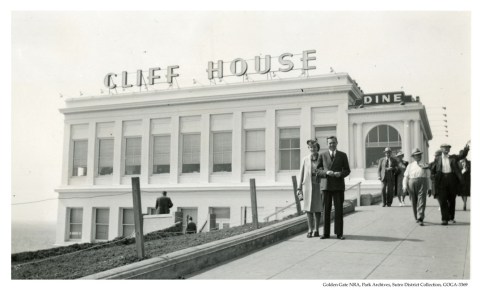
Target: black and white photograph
{"x": 325, "y": 145}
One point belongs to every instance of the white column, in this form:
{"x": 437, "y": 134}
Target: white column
{"x": 237, "y": 148}
{"x": 270, "y": 147}
{"x": 117, "y": 153}
{"x": 113, "y": 226}
{"x": 406, "y": 140}
{"x": 205, "y": 148}
{"x": 91, "y": 153}
{"x": 146, "y": 168}
{"x": 305, "y": 130}
{"x": 87, "y": 223}
{"x": 417, "y": 134}
{"x": 359, "y": 145}
{"x": 61, "y": 223}
{"x": 342, "y": 127}
{"x": 351, "y": 145}
{"x": 66, "y": 165}
{"x": 174, "y": 147}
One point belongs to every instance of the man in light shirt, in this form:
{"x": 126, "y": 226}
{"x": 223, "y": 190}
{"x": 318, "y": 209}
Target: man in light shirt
{"x": 448, "y": 180}
{"x": 415, "y": 180}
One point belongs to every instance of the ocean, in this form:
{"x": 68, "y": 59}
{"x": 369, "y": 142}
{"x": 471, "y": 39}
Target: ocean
{"x": 32, "y": 236}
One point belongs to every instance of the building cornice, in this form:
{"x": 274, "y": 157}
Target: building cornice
{"x": 245, "y": 91}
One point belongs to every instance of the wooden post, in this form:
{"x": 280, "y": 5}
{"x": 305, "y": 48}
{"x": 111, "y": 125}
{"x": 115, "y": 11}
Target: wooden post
{"x": 297, "y": 200}
{"x": 359, "y": 195}
{"x": 137, "y": 213}
{"x": 253, "y": 197}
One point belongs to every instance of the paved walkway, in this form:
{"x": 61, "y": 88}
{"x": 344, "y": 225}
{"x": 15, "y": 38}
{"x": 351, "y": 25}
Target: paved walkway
{"x": 381, "y": 243}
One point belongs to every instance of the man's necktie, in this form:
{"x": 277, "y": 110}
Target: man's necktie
{"x": 387, "y": 164}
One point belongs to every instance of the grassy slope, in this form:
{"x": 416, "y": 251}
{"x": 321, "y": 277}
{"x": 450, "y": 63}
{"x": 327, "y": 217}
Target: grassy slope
{"x": 67, "y": 263}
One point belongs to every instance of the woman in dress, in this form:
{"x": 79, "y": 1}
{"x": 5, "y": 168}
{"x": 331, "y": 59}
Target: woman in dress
{"x": 309, "y": 188}
{"x": 465, "y": 192}
{"x": 402, "y": 165}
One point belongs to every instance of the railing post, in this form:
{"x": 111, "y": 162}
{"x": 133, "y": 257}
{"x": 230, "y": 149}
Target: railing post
{"x": 359, "y": 194}
{"x": 138, "y": 217}
{"x": 253, "y": 197}
{"x": 297, "y": 200}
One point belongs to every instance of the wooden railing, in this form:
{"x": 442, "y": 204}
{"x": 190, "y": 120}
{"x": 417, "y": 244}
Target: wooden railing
{"x": 359, "y": 191}
{"x": 278, "y": 211}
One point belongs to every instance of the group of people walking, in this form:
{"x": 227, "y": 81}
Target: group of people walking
{"x": 446, "y": 177}
{"x": 322, "y": 181}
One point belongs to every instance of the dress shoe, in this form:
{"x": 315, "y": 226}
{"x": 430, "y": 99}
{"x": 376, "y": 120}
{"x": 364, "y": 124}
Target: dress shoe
{"x": 316, "y": 234}
{"x": 341, "y": 237}
{"x": 309, "y": 234}
{"x": 421, "y": 223}
{"x": 444, "y": 223}
{"x": 389, "y": 205}
{"x": 464, "y": 207}
{"x": 453, "y": 221}
{"x": 324, "y": 237}
{"x": 384, "y": 205}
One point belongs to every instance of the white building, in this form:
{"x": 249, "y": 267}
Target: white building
{"x": 202, "y": 145}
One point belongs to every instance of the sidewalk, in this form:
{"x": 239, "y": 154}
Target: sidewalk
{"x": 381, "y": 243}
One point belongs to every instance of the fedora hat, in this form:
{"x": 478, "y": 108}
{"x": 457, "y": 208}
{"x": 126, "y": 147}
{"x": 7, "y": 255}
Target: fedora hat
{"x": 445, "y": 145}
{"x": 400, "y": 153}
{"x": 387, "y": 150}
{"x": 416, "y": 152}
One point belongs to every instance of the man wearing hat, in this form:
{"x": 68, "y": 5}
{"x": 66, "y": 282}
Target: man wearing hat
{"x": 448, "y": 180}
{"x": 387, "y": 168}
{"x": 415, "y": 181}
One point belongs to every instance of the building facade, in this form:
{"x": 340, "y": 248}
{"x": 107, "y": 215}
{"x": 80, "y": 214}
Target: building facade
{"x": 203, "y": 144}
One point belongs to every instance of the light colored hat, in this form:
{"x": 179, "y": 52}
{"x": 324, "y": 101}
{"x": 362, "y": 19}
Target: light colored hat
{"x": 387, "y": 150}
{"x": 416, "y": 152}
{"x": 445, "y": 145}
{"x": 400, "y": 153}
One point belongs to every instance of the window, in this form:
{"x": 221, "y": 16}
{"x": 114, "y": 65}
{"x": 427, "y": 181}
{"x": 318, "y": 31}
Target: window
{"x": 133, "y": 155}
{"x": 79, "y": 158}
{"x": 128, "y": 224}
{"x": 222, "y": 152}
{"x": 161, "y": 154}
{"x": 101, "y": 223}
{"x": 75, "y": 217}
{"x": 105, "y": 156}
{"x": 322, "y": 133}
{"x": 255, "y": 150}
{"x": 222, "y": 218}
{"x": 378, "y": 138}
{"x": 289, "y": 145}
{"x": 191, "y": 153}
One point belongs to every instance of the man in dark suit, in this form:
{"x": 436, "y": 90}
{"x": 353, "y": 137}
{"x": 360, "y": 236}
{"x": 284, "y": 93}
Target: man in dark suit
{"x": 387, "y": 168}
{"x": 163, "y": 204}
{"x": 191, "y": 227}
{"x": 333, "y": 166}
{"x": 448, "y": 180}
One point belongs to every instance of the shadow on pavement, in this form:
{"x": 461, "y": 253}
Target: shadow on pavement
{"x": 378, "y": 238}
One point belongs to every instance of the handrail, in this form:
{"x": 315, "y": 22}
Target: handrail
{"x": 359, "y": 192}
{"x": 353, "y": 185}
{"x": 204, "y": 224}
{"x": 278, "y": 211}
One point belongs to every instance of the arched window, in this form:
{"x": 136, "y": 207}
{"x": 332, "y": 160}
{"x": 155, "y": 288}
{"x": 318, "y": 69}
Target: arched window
{"x": 378, "y": 138}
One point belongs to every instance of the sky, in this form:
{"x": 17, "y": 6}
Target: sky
{"x": 56, "y": 55}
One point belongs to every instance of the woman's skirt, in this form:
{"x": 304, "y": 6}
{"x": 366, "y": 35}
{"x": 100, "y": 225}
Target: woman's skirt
{"x": 316, "y": 204}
